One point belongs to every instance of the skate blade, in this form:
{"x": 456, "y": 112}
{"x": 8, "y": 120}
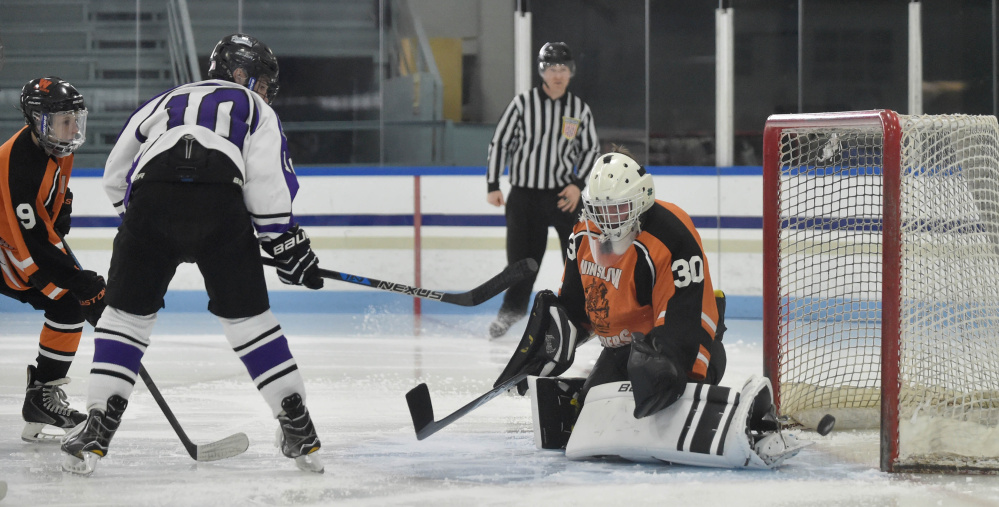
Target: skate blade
{"x": 310, "y": 463}
{"x": 41, "y": 432}
{"x": 78, "y": 466}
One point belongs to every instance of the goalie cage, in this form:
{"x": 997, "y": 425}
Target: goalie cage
{"x": 881, "y": 268}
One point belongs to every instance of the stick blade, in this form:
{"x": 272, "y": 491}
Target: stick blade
{"x": 421, "y": 409}
{"x": 230, "y": 446}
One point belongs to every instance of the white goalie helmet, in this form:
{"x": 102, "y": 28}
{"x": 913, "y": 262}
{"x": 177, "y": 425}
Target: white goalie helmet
{"x": 617, "y": 193}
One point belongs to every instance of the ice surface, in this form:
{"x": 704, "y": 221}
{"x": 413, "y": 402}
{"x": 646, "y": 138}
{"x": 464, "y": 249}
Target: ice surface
{"x": 357, "y": 370}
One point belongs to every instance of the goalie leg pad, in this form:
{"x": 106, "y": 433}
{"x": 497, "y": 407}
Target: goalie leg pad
{"x": 554, "y": 407}
{"x": 706, "y": 426}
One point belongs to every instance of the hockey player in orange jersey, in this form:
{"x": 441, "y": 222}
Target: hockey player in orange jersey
{"x": 37, "y": 269}
{"x": 637, "y": 280}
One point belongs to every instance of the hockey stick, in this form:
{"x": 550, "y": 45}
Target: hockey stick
{"x": 499, "y": 283}
{"x": 226, "y": 448}
{"x": 422, "y": 411}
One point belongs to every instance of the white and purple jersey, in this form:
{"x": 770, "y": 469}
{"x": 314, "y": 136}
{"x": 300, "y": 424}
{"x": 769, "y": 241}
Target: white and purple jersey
{"x": 222, "y": 116}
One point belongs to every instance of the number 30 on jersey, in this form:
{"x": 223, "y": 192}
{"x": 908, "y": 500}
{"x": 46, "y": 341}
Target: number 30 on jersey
{"x": 686, "y": 271}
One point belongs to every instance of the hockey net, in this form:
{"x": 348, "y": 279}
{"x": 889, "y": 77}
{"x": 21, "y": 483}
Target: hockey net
{"x": 881, "y": 280}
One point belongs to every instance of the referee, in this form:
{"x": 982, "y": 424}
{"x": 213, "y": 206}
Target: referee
{"x": 547, "y": 138}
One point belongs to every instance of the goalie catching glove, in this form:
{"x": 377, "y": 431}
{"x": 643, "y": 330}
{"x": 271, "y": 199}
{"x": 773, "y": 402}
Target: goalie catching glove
{"x": 549, "y": 343}
{"x": 657, "y": 379}
{"x": 297, "y": 263}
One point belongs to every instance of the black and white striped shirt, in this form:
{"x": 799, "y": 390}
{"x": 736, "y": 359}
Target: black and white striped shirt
{"x": 543, "y": 140}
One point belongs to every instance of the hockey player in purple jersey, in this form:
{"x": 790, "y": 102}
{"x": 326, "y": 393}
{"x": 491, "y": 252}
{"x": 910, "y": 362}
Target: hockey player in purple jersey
{"x": 201, "y": 174}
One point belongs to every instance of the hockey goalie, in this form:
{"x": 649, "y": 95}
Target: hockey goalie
{"x": 636, "y": 279}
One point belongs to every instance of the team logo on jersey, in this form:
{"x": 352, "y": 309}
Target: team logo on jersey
{"x": 570, "y": 127}
{"x": 597, "y": 306}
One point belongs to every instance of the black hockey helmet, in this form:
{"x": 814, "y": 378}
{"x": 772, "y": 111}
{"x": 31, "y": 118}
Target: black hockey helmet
{"x": 555, "y": 53}
{"x": 241, "y": 51}
{"x": 55, "y": 111}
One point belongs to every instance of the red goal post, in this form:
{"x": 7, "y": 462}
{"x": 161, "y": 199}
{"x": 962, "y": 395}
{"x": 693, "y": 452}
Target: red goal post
{"x": 881, "y": 268}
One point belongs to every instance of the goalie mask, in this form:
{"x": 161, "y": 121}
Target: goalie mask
{"x": 617, "y": 193}
{"x": 241, "y": 51}
{"x": 55, "y": 112}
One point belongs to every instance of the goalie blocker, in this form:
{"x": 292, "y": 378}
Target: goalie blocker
{"x": 548, "y": 346}
{"x": 708, "y": 425}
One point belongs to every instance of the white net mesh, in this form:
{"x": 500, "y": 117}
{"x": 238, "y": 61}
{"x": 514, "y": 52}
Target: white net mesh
{"x": 830, "y": 281}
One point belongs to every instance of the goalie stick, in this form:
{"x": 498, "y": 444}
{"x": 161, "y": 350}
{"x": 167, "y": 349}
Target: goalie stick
{"x": 226, "y": 448}
{"x": 422, "y": 411}
{"x": 488, "y": 290}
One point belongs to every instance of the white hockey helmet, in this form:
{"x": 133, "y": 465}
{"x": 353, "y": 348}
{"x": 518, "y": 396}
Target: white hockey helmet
{"x": 617, "y": 193}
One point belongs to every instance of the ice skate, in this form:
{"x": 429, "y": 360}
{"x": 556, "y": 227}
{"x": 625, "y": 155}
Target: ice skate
{"x": 763, "y": 428}
{"x": 45, "y": 405}
{"x": 296, "y": 436}
{"x": 775, "y": 448}
{"x": 87, "y": 443}
{"x": 501, "y": 325}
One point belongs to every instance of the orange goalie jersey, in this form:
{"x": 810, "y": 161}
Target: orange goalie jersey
{"x": 661, "y": 281}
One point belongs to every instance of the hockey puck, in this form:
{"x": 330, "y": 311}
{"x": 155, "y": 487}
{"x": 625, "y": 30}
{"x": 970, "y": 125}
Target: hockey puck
{"x": 826, "y": 424}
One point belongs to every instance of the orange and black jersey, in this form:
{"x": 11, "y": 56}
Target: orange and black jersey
{"x": 661, "y": 281}
{"x": 32, "y": 190}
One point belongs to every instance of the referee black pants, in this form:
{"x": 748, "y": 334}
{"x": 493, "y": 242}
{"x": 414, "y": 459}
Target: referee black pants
{"x": 529, "y": 213}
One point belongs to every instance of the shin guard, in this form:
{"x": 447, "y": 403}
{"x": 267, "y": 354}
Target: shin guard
{"x": 263, "y": 348}
{"x": 120, "y": 341}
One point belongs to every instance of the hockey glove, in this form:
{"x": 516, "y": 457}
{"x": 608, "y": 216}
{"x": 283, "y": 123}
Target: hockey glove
{"x": 89, "y": 288}
{"x": 653, "y": 368}
{"x": 63, "y": 221}
{"x": 549, "y": 343}
{"x": 298, "y": 263}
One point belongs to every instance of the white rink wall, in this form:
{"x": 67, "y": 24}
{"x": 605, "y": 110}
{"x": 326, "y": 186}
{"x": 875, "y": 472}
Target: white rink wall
{"x": 360, "y": 220}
